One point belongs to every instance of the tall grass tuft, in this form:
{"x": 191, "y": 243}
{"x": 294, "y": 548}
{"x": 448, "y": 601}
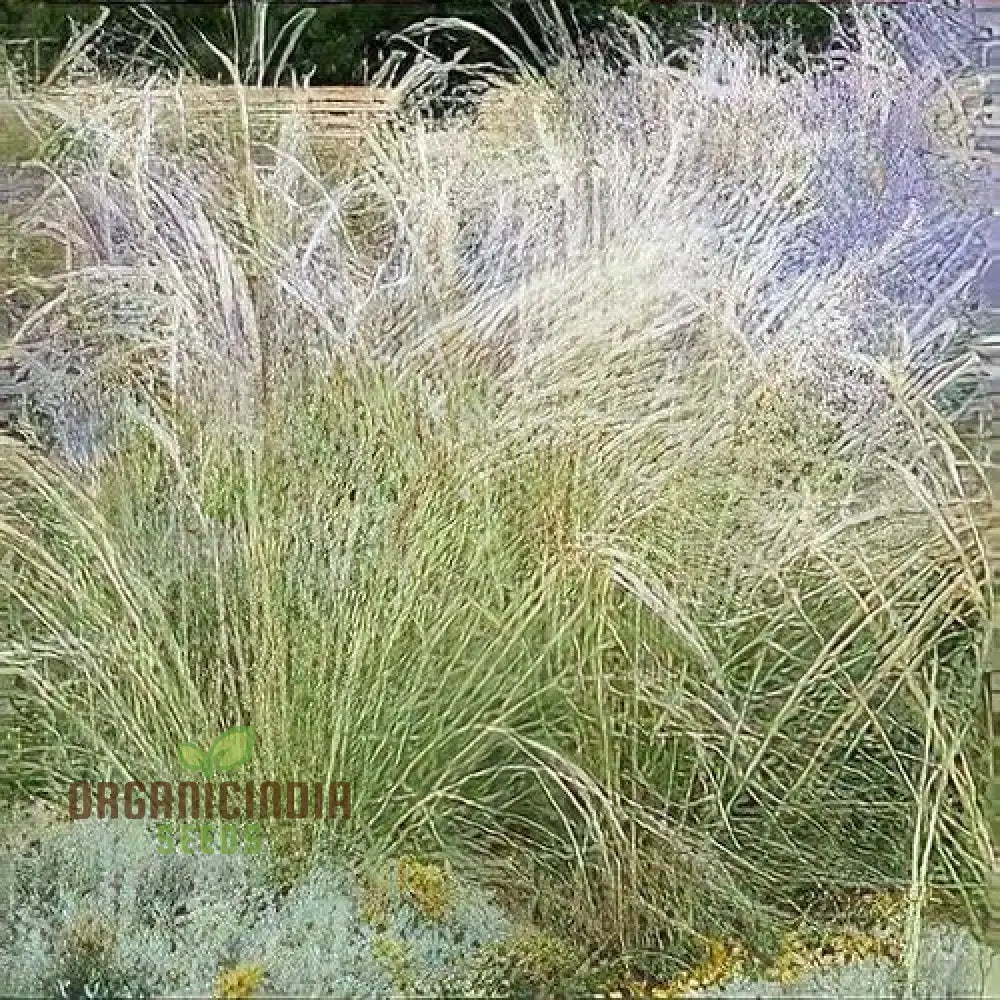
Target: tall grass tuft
{"x": 572, "y": 476}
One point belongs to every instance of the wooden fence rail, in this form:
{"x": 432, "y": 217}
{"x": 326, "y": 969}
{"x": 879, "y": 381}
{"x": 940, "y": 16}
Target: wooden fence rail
{"x": 328, "y": 112}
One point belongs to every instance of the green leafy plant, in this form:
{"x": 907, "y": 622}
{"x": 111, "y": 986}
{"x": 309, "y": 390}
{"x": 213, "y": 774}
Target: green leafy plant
{"x": 230, "y": 750}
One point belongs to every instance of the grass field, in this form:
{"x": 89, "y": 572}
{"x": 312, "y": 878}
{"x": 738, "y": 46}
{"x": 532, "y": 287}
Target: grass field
{"x": 578, "y": 475}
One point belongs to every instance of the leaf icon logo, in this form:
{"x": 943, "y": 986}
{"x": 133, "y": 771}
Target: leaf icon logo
{"x": 232, "y": 749}
{"x": 228, "y": 752}
{"x": 193, "y": 758}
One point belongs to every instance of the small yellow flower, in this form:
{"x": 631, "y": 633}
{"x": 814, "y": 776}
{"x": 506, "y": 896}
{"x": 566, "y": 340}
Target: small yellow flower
{"x": 429, "y": 887}
{"x": 724, "y": 961}
{"x": 239, "y": 983}
{"x": 376, "y": 903}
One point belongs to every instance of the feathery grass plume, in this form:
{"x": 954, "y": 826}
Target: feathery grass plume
{"x": 566, "y": 477}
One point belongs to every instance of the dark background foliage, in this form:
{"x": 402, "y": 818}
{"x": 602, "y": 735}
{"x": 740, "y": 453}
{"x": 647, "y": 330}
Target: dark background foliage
{"x": 342, "y": 37}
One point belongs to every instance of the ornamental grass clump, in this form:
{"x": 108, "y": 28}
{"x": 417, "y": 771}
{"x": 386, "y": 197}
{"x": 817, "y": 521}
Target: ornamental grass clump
{"x": 585, "y": 495}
